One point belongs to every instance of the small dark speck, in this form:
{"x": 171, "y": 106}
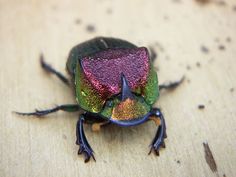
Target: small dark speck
{"x": 228, "y": 39}
{"x": 109, "y": 11}
{"x": 54, "y": 7}
{"x": 224, "y": 175}
{"x": 203, "y": 1}
{"x": 198, "y": 64}
{"x": 221, "y": 3}
{"x": 201, "y": 106}
{"x": 204, "y": 49}
{"x": 64, "y": 136}
{"x": 234, "y": 8}
{"x": 90, "y": 28}
{"x": 178, "y": 161}
{"x": 78, "y": 21}
{"x": 178, "y": 1}
{"x": 166, "y": 17}
{"x": 209, "y": 157}
{"x": 188, "y": 67}
{"x": 231, "y": 90}
{"x": 221, "y": 47}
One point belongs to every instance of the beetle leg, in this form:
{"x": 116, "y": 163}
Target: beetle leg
{"x": 171, "y": 85}
{"x": 153, "y": 54}
{"x": 158, "y": 140}
{"x": 39, "y": 113}
{"x": 82, "y": 141}
{"x": 51, "y": 70}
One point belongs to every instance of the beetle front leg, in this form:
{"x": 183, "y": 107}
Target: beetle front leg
{"x": 51, "y": 70}
{"x": 158, "y": 140}
{"x": 171, "y": 85}
{"x": 40, "y": 113}
{"x": 84, "y": 147}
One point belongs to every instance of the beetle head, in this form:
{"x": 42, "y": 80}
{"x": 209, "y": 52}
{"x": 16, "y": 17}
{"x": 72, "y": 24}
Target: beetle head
{"x": 126, "y": 108}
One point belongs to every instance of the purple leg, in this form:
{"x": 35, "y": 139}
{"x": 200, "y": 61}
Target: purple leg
{"x": 84, "y": 147}
{"x": 158, "y": 140}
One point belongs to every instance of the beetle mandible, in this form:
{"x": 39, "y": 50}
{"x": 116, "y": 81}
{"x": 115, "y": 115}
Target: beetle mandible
{"x": 114, "y": 83}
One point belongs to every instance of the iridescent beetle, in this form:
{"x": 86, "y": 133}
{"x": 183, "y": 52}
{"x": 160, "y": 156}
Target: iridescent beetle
{"x": 114, "y": 82}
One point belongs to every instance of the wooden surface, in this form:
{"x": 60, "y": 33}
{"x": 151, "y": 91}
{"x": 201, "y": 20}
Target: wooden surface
{"x": 192, "y": 39}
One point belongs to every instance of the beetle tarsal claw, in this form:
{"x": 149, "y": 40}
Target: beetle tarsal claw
{"x": 156, "y": 120}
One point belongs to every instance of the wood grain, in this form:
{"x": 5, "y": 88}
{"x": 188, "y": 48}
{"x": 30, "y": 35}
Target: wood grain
{"x": 176, "y": 30}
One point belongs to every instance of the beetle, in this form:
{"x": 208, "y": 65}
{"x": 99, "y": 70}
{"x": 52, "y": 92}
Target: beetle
{"x": 114, "y": 83}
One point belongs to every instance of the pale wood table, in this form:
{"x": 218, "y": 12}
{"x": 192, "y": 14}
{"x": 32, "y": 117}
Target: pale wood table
{"x": 191, "y": 39}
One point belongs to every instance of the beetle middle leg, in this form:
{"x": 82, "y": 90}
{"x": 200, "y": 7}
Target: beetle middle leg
{"x": 39, "y": 113}
{"x": 84, "y": 147}
{"x": 158, "y": 140}
{"x": 171, "y": 85}
{"x": 51, "y": 70}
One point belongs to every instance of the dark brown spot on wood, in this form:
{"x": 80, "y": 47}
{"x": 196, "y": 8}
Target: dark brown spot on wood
{"x": 188, "y": 67}
{"x": 166, "y": 17}
{"x": 77, "y": 21}
{"x": 221, "y": 47}
{"x": 204, "y": 49}
{"x": 201, "y": 106}
{"x": 203, "y": 2}
{"x": 198, "y": 64}
{"x": 221, "y": 3}
{"x": 64, "y": 136}
{"x": 178, "y": 1}
{"x": 228, "y": 39}
{"x": 234, "y": 8}
{"x": 109, "y": 11}
{"x": 90, "y": 28}
{"x": 209, "y": 157}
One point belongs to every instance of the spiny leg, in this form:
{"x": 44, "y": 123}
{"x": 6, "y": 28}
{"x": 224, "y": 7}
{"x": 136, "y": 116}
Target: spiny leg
{"x": 171, "y": 85}
{"x": 39, "y": 113}
{"x": 158, "y": 140}
{"x": 84, "y": 147}
{"x": 51, "y": 70}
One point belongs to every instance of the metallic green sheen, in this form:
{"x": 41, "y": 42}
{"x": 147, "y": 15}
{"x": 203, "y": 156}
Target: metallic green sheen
{"x": 87, "y": 97}
{"x": 151, "y": 89}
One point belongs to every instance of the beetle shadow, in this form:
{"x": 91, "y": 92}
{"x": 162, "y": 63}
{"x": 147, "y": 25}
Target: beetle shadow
{"x": 125, "y": 135}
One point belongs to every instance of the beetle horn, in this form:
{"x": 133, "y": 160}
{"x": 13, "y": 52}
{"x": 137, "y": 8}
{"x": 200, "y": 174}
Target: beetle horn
{"x": 125, "y": 90}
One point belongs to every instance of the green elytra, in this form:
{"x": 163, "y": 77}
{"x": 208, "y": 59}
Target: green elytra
{"x": 90, "y": 99}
